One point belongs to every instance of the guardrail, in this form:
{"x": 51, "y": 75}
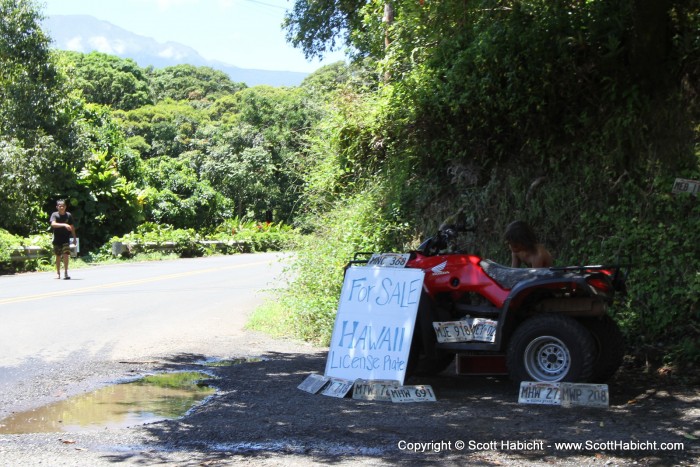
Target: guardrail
{"x": 24, "y": 253}
{"x": 119, "y": 248}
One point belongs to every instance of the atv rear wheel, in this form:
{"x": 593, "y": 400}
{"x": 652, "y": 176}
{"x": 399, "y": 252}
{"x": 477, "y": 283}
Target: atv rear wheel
{"x": 550, "y": 348}
{"x": 610, "y": 347}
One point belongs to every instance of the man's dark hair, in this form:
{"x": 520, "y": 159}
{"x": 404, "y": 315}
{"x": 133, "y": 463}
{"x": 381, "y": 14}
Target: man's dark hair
{"x": 521, "y": 233}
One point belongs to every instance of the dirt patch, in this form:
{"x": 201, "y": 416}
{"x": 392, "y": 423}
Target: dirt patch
{"x": 652, "y": 420}
{"x": 260, "y": 417}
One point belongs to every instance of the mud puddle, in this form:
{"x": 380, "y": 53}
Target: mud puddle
{"x": 150, "y": 399}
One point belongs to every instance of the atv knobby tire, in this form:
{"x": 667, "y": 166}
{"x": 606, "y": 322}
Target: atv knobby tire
{"x": 610, "y": 347}
{"x": 425, "y": 359}
{"x": 551, "y": 348}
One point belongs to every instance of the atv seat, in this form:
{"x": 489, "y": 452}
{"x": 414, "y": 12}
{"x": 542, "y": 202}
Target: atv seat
{"x": 508, "y": 277}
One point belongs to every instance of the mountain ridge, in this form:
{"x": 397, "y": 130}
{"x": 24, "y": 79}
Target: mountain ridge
{"x": 85, "y": 33}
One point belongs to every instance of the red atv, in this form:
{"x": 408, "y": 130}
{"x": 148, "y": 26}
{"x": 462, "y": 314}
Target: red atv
{"x": 547, "y": 324}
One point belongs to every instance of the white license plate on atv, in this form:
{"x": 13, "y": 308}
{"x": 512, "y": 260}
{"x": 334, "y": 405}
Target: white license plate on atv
{"x": 564, "y": 394}
{"x": 466, "y": 330}
{"x": 389, "y": 260}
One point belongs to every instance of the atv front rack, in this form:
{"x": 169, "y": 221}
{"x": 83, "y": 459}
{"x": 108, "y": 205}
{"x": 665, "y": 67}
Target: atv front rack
{"x": 356, "y": 259}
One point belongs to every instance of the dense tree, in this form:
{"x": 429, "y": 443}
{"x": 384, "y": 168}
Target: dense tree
{"x": 41, "y": 146}
{"x": 574, "y": 115}
{"x": 22, "y": 175}
{"x": 487, "y": 79}
{"x": 54, "y": 145}
{"x": 246, "y": 176}
{"x": 282, "y": 117}
{"x": 106, "y": 202}
{"x": 28, "y": 78}
{"x": 108, "y": 80}
{"x": 320, "y": 26}
{"x": 187, "y": 82}
{"x": 164, "y": 129}
{"x": 176, "y": 196}
{"x": 327, "y": 80}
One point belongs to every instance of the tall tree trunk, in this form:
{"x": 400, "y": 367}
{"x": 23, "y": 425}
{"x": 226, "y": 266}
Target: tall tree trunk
{"x": 388, "y": 20}
{"x": 651, "y": 42}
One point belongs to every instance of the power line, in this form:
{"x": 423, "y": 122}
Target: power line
{"x": 266, "y": 4}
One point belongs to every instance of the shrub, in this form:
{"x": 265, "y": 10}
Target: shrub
{"x": 152, "y": 238}
{"x": 249, "y": 236}
{"x": 360, "y": 223}
{"x": 8, "y": 244}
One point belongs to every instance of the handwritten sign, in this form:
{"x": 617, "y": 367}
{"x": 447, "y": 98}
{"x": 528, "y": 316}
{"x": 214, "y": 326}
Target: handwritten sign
{"x": 374, "y": 325}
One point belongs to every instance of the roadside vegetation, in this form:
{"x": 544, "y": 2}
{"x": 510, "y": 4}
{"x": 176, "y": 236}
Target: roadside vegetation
{"x": 574, "y": 116}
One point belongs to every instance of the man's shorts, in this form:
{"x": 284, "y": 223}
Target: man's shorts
{"x": 62, "y": 249}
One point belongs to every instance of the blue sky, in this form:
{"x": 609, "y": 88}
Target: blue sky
{"x": 243, "y": 33}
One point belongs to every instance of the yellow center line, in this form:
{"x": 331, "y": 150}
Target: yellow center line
{"x": 61, "y": 293}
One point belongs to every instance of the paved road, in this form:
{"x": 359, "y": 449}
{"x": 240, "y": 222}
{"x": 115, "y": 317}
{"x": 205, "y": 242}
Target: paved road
{"x": 126, "y": 312}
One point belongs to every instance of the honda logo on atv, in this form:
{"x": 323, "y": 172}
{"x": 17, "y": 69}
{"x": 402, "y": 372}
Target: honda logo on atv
{"x": 439, "y": 270}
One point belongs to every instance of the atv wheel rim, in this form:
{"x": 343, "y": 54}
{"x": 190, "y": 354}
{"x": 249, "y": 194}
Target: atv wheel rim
{"x": 547, "y": 359}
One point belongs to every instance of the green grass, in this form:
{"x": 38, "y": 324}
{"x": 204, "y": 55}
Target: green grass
{"x": 270, "y": 318}
{"x": 177, "y": 380}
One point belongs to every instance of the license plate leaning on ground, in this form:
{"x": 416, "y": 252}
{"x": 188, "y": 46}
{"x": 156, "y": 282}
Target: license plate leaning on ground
{"x": 564, "y": 394}
{"x": 421, "y": 393}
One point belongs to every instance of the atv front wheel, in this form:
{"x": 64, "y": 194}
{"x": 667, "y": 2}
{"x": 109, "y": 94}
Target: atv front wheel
{"x": 551, "y": 348}
{"x": 425, "y": 359}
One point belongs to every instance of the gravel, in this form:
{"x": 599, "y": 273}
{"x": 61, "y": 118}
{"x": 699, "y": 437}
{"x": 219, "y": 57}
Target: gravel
{"x": 259, "y": 417}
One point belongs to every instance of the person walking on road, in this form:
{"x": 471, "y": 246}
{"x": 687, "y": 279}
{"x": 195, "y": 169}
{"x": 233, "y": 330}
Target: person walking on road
{"x": 62, "y": 225}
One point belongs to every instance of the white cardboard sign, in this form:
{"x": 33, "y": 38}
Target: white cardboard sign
{"x": 374, "y": 325}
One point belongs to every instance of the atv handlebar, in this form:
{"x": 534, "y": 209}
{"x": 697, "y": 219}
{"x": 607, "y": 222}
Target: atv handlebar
{"x": 434, "y": 245}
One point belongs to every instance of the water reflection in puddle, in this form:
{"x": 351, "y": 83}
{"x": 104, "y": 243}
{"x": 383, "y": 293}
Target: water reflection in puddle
{"x": 151, "y": 399}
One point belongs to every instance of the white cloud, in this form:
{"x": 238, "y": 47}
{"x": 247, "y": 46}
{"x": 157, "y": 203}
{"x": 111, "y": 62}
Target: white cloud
{"x": 75, "y": 44}
{"x": 171, "y": 53}
{"x": 119, "y": 47}
{"x": 102, "y": 44}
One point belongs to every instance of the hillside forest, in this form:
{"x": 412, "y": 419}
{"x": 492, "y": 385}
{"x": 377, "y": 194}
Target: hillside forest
{"x": 576, "y": 116}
